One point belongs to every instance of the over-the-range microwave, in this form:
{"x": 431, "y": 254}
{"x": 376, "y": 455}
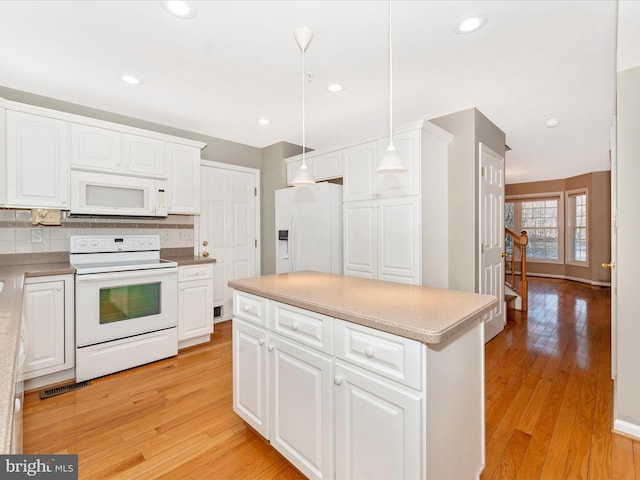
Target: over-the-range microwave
{"x": 105, "y": 194}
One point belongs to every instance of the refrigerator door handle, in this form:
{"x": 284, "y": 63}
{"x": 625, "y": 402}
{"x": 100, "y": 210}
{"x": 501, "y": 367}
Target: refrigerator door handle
{"x": 291, "y": 240}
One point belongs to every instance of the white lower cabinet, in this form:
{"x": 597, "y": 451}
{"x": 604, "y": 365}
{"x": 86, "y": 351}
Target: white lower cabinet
{"x": 195, "y": 304}
{"x": 378, "y": 432}
{"x": 49, "y": 317}
{"x": 353, "y": 413}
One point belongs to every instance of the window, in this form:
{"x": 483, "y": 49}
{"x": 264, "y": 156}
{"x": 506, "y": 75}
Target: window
{"x": 541, "y": 218}
{"x": 577, "y": 251}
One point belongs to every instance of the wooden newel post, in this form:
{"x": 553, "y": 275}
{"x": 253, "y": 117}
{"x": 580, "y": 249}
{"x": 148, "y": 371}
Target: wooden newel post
{"x": 524, "y": 288}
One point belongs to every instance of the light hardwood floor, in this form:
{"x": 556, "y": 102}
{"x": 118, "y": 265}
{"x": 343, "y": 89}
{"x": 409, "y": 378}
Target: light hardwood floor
{"x": 548, "y": 404}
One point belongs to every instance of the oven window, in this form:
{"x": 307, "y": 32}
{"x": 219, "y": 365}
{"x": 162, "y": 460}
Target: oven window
{"x": 125, "y": 303}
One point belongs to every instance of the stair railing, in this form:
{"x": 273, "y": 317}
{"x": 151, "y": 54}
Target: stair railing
{"x": 519, "y": 243}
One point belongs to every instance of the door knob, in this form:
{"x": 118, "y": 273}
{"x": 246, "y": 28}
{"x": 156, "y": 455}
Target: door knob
{"x": 205, "y": 254}
{"x": 504, "y": 254}
{"x": 205, "y": 243}
{"x": 610, "y": 266}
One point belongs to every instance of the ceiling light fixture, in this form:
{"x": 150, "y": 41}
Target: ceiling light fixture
{"x": 263, "y": 121}
{"x": 178, "y": 8}
{"x": 471, "y": 23}
{"x": 391, "y": 161}
{"x": 130, "y": 79}
{"x": 552, "y": 122}
{"x": 334, "y": 88}
{"x": 302, "y": 178}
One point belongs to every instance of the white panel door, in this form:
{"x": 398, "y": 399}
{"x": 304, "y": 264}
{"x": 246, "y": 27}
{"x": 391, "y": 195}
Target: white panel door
{"x": 491, "y": 245}
{"x": 399, "y": 240}
{"x": 376, "y": 432}
{"x": 228, "y": 227}
{"x": 250, "y": 375}
{"x": 360, "y": 239}
{"x": 37, "y": 161}
{"x": 300, "y": 406}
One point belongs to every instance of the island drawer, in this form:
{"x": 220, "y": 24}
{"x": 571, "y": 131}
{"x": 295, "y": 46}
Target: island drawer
{"x": 309, "y": 328}
{"x": 250, "y": 307}
{"x": 394, "y": 357}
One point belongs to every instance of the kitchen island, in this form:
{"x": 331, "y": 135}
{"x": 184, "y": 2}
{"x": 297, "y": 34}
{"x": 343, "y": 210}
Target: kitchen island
{"x": 356, "y": 378}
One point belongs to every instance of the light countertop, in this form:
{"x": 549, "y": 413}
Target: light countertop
{"x": 10, "y": 314}
{"x": 429, "y": 315}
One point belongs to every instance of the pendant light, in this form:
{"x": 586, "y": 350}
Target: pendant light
{"x": 302, "y": 178}
{"x": 391, "y": 161}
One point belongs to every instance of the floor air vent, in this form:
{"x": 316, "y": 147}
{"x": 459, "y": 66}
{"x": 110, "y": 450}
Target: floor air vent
{"x": 52, "y": 392}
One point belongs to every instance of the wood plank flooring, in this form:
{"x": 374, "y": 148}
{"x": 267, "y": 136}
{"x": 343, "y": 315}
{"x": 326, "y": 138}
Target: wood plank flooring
{"x": 548, "y": 407}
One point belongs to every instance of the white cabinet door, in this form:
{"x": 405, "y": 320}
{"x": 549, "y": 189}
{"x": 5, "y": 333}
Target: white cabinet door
{"x": 183, "y": 181}
{"x": 143, "y": 155}
{"x": 195, "y": 309}
{"x": 300, "y": 406}
{"x": 399, "y": 240}
{"x": 44, "y": 310}
{"x": 37, "y": 161}
{"x": 360, "y": 239}
{"x": 95, "y": 148}
{"x": 359, "y": 177}
{"x": 408, "y": 146}
{"x": 250, "y": 375}
{"x": 377, "y": 435}
{"x": 327, "y": 166}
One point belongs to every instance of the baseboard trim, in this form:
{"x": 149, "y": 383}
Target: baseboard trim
{"x": 627, "y": 428}
{"x": 566, "y": 277}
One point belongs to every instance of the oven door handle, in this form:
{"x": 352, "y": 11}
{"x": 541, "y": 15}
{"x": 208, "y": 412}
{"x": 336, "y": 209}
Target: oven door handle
{"x": 126, "y": 275}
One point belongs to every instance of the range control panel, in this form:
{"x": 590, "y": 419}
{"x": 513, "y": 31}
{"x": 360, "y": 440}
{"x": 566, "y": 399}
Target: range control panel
{"x": 113, "y": 243}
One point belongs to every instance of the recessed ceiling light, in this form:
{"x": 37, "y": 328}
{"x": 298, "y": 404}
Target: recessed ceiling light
{"x": 263, "y": 121}
{"x": 470, "y": 23}
{"x": 334, "y": 88}
{"x": 552, "y": 122}
{"x": 179, "y": 8}
{"x": 130, "y": 79}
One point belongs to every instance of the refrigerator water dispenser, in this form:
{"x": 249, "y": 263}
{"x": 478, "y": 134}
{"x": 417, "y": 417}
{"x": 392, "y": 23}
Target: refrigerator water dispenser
{"x": 283, "y": 244}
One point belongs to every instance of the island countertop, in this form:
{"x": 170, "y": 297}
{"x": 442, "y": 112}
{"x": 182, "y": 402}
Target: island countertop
{"x": 429, "y": 315}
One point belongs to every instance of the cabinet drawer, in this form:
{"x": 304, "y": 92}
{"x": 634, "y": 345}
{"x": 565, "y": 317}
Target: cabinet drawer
{"x": 391, "y": 356}
{"x": 309, "y": 328}
{"x": 250, "y": 307}
{"x": 195, "y": 272}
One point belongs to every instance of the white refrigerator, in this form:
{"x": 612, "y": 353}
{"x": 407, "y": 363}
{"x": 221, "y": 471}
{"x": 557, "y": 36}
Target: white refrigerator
{"x": 309, "y": 228}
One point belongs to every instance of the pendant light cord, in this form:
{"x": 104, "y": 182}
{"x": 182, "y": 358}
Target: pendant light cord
{"x": 390, "y": 81}
{"x": 304, "y": 164}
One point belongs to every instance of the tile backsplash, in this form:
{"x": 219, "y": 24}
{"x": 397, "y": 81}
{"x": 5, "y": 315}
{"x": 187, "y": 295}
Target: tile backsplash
{"x": 18, "y": 235}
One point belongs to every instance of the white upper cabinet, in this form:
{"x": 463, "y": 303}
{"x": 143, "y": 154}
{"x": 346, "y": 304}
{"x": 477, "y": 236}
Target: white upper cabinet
{"x": 293, "y": 167}
{"x": 95, "y": 148}
{"x": 327, "y": 166}
{"x": 183, "y": 181}
{"x": 143, "y": 155}
{"x": 36, "y": 161}
{"x": 359, "y": 177}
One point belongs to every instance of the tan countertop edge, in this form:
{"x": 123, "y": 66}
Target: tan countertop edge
{"x": 409, "y": 320}
{"x": 10, "y": 314}
{"x": 183, "y": 260}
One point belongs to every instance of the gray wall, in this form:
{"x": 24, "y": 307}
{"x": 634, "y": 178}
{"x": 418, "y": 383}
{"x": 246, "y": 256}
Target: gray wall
{"x": 469, "y": 127}
{"x": 627, "y": 330}
{"x": 274, "y": 177}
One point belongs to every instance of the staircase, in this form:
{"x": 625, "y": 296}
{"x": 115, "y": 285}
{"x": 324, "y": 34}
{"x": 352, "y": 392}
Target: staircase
{"x": 516, "y": 293}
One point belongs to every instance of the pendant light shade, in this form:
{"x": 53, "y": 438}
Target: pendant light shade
{"x": 391, "y": 161}
{"x": 303, "y": 178}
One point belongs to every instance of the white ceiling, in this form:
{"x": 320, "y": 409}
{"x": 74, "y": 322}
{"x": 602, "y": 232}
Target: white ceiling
{"x": 236, "y": 61}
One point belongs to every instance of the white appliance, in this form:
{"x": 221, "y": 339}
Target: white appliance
{"x": 105, "y": 194}
{"x": 126, "y": 303}
{"x": 309, "y": 228}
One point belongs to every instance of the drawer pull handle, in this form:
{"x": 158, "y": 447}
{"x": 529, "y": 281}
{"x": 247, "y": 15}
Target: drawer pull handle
{"x": 337, "y": 380}
{"x": 295, "y": 326}
{"x": 270, "y": 348}
{"x": 261, "y": 341}
{"x": 370, "y": 351}
{"x": 246, "y": 308}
